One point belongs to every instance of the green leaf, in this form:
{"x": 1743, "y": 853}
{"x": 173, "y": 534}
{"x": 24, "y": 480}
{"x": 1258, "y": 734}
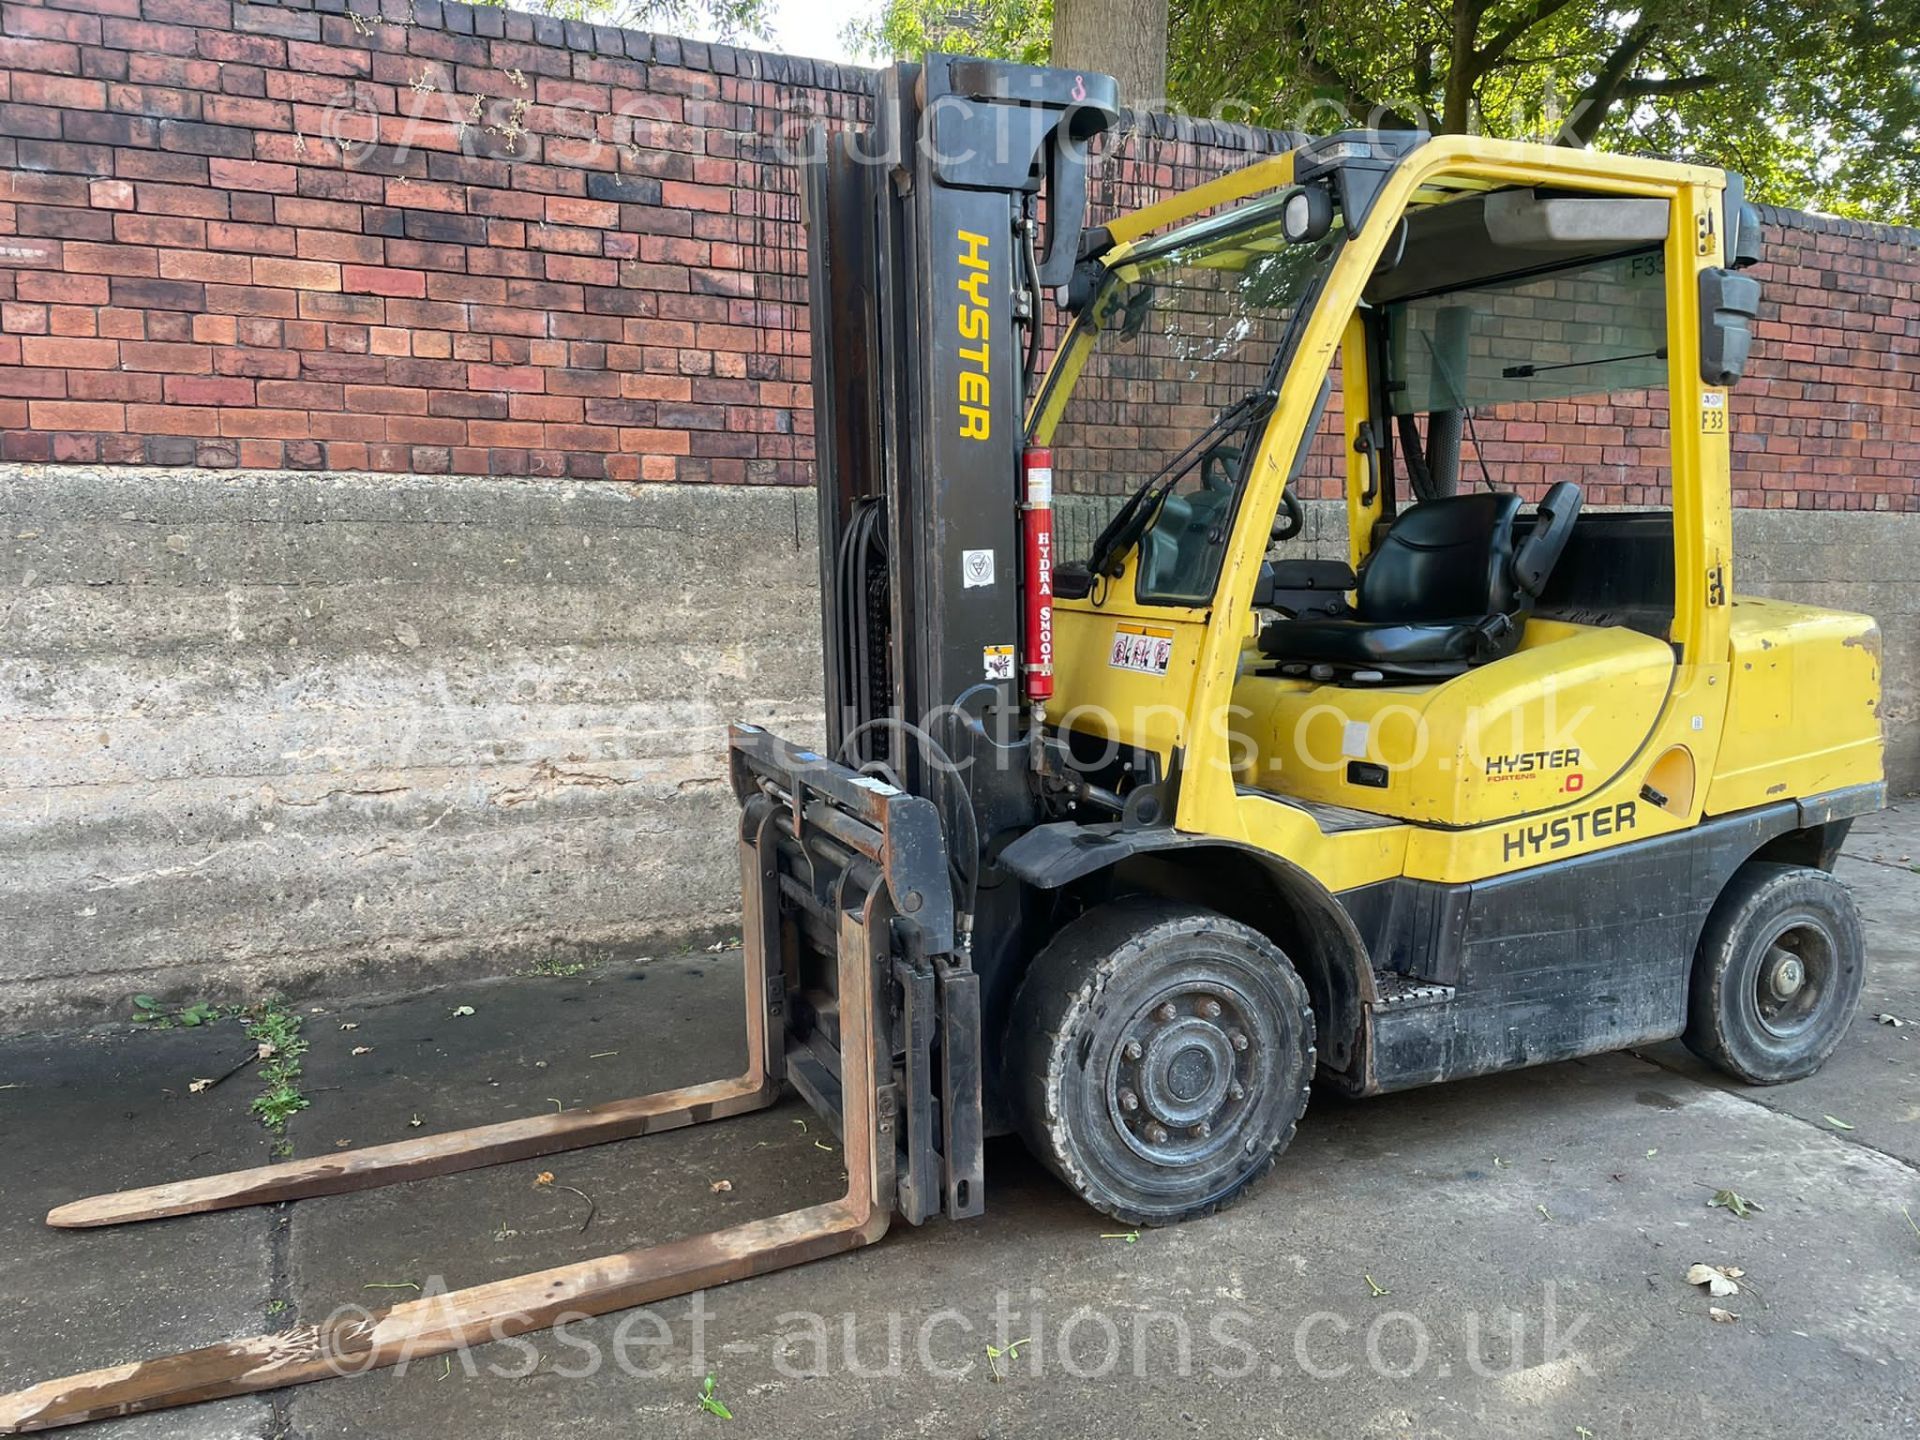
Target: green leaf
{"x": 1837, "y": 1124}
{"x": 709, "y": 1403}
{"x": 1733, "y": 1200}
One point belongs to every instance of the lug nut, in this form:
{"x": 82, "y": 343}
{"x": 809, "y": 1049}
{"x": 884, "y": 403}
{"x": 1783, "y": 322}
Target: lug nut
{"x": 1129, "y": 1101}
{"x": 1156, "y": 1134}
{"x": 1236, "y": 1091}
{"x": 1131, "y": 1050}
{"x": 1238, "y": 1040}
{"x": 1210, "y": 1009}
{"x": 1202, "y": 1130}
{"x": 1165, "y": 1013}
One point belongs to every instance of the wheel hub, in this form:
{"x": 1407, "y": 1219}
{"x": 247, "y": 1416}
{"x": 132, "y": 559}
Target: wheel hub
{"x": 1793, "y": 979}
{"x": 1182, "y": 1075}
{"x": 1785, "y": 974}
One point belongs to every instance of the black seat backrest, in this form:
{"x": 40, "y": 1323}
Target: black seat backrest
{"x": 1445, "y": 559}
{"x": 1618, "y": 570}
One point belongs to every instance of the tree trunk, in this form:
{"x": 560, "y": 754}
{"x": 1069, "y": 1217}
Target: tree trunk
{"x": 1126, "y": 39}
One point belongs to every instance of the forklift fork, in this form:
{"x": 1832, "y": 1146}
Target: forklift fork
{"x": 797, "y": 805}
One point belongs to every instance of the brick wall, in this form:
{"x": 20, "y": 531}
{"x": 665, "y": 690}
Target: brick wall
{"x": 420, "y": 237}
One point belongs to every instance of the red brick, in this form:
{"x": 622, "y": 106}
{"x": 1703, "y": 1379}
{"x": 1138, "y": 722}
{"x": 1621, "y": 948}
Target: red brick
{"x": 67, "y": 352}
{"x": 76, "y": 415}
{"x": 17, "y": 318}
{"x": 160, "y": 199}
{"x": 264, "y": 424}
{"x": 174, "y": 231}
{"x": 267, "y": 240}
{"x": 167, "y": 357}
{"x": 68, "y": 25}
{"x": 91, "y": 259}
{"x": 65, "y": 91}
{"x": 427, "y": 195}
{"x": 297, "y": 274}
{"x": 201, "y": 265}
{"x": 339, "y": 246}
{"x": 371, "y": 280}
{"x": 250, "y": 175}
{"x": 110, "y": 194}
{"x": 73, "y": 320}
{"x": 64, "y": 289}
{"x": 214, "y": 329}
{"x": 316, "y": 214}
{"x": 208, "y": 390}
{"x": 51, "y": 56}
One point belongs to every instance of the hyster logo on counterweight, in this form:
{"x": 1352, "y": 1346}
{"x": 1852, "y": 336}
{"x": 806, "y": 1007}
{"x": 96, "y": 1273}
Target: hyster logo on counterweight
{"x": 976, "y": 388}
{"x": 1565, "y": 830}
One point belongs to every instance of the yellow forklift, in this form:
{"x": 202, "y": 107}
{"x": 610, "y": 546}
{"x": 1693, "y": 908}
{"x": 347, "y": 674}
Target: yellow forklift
{"x": 1124, "y": 852}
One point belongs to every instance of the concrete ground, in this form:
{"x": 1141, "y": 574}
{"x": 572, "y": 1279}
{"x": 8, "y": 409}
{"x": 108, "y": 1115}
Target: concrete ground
{"x": 1496, "y": 1257}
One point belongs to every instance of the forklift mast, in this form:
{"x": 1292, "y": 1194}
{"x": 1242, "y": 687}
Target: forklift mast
{"x": 927, "y": 266}
{"x": 926, "y": 280}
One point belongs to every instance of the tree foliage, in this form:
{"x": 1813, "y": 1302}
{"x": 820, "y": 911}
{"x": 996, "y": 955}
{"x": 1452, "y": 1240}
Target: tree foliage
{"x": 720, "y": 19}
{"x": 1816, "y": 101}
{"x": 1001, "y": 29}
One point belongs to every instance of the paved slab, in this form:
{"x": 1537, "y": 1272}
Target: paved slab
{"x": 1530, "y": 1233}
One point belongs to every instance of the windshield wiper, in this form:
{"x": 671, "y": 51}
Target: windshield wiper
{"x": 1523, "y": 372}
{"x": 1124, "y": 530}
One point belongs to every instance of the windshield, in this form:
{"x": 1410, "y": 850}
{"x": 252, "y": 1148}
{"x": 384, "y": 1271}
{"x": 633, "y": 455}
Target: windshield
{"x": 1187, "y": 339}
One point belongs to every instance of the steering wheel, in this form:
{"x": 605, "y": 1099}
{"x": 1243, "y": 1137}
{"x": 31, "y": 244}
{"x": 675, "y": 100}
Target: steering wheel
{"x": 1218, "y": 467}
{"x": 1292, "y": 518}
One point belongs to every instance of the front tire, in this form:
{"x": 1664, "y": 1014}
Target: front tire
{"x": 1778, "y": 973}
{"x": 1158, "y": 1058}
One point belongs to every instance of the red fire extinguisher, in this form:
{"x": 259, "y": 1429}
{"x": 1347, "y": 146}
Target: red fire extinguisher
{"x": 1036, "y": 528}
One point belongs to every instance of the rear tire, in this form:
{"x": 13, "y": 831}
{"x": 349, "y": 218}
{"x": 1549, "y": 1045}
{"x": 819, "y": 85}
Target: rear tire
{"x": 1158, "y": 1058}
{"x": 1778, "y": 973}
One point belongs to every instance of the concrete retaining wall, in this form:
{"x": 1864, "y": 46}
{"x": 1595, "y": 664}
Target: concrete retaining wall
{"x": 292, "y": 731}
{"x": 316, "y": 732}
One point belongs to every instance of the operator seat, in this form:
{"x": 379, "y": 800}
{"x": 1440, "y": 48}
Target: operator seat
{"x": 1448, "y": 587}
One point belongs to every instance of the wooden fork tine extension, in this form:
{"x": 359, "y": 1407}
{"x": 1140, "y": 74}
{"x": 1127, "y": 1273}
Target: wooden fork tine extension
{"x": 435, "y": 1325}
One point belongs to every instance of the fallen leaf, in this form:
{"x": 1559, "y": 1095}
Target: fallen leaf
{"x": 721, "y": 1187}
{"x": 1653, "y": 1152}
{"x": 461, "y": 1010}
{"x": 1733, "y": 1200}
{"x": 1837, "y": 1124}
{"x": 362, "y": 1050}
{"x": 1721, "y": 1317}
{"x": 267, "y": 1050}
{"x": 545, "y": 1177}
{"x": 198, "y": 1085}
{"x": 1719, "y": 1281}
{"x": 1893, "y": 1020}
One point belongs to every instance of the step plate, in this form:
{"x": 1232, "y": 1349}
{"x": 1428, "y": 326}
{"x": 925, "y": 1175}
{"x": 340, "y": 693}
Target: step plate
{"x": 1394, "y": 991}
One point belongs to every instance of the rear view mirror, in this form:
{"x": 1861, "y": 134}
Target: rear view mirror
{"x": 1728, "y": 303}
